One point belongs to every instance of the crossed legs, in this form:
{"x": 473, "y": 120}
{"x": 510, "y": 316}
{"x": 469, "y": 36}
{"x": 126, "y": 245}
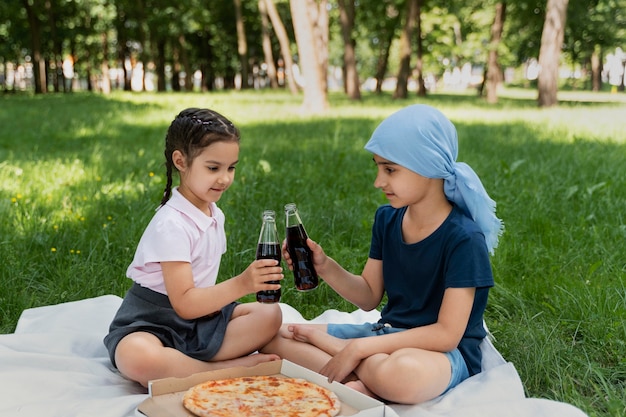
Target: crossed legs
{"x": 141, "y": 356}
{"x": 408, "y": 375}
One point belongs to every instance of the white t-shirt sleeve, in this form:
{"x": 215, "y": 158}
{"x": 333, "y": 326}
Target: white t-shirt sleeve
{"x": 167, "y": 238}
{"x": 164, "y": 241}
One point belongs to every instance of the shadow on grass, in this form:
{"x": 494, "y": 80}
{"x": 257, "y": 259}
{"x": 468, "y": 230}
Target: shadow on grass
{"x": 543, "y": 187}
{"x": 561, "y": 200}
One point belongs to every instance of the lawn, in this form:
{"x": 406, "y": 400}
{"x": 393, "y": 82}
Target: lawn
{"x": 80, "y": 176}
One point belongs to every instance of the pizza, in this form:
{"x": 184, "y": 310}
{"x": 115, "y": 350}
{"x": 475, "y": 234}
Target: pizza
{"x": 259, "y": 396}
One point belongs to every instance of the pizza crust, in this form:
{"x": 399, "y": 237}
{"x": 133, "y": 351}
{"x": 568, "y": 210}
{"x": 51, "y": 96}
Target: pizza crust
{"x": 259, "y": 396}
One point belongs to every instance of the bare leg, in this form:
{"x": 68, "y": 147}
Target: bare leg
{"x": 142, "y": 357}
{"x": 407, "y": 376}
{"x": 298, "y": 351}
{"x": 306, "y": 345}
{"x": 251, "y": 326}
{"x": 358, "y": 385}
{"x": 318, "y": 336}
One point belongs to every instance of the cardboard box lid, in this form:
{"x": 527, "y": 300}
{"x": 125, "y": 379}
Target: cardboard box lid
{"x": 165, "y": 397}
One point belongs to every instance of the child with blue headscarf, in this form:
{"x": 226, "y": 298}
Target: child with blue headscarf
{"x": 429, "y": 254}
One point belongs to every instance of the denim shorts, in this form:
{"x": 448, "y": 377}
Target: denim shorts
{"x": 355, "y": 331}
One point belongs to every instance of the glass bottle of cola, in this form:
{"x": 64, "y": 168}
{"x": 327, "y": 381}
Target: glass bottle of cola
{"x": 304, "y": 274}
{"x": 268, "y": 248}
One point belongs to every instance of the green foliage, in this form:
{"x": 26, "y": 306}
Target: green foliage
{"x": 199, "y": 35}
{"x": 81, "y": 175}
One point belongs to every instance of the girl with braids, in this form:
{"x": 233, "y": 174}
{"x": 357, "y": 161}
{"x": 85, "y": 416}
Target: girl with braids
{"x": 176, "y": 320}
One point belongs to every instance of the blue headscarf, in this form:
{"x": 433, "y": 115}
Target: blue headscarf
{"x": 422, "y": 139}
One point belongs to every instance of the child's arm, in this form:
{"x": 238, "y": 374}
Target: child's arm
{"x": 190, "y": 302}
{"x": 365, "y": 290}
{"x": 441, "y": 336}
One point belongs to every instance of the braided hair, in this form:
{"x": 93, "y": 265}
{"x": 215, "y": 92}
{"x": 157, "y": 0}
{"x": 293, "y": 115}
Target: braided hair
{"x": 190, "y": 132}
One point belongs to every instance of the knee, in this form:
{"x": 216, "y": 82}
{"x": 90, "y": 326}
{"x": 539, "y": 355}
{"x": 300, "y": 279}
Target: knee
{"x": 135, "y": 358}
{"x": 268, "y": 318}
{"x": 277, "y": 341}
{"x": 405, "y": 378}
{"x": 272, "y": 316}
{"x": 402, "y": 359}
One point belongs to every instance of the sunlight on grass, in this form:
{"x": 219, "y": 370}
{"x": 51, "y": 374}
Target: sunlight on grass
{"x": 81, "y": 176}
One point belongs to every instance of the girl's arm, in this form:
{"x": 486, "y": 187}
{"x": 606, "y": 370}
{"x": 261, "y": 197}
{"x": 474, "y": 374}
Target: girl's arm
{"x": 190, "y": 302}
{"x": 442, "y": 336}
{"x": 365, "y": 290}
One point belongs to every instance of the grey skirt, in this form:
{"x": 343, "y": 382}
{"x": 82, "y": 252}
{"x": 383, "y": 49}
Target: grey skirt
{"x": 145, "y": 310}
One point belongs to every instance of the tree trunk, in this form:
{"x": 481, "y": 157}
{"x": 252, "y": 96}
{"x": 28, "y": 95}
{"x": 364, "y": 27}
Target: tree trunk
{"x": 596, "y": 69}
{"x": 419, "y": 67}
{"x": 160, "y": 65}
{"x": 308, "y": 22}
{"x": 176, "y": 68}
{"x": 208, "y": 72}
{"x": 143, "y": 36}
{"x": 405, "y": 50}
{"x": 351, "y": 75}
{"x": 318, "y": 17}
{"x": 550, "y": 52}
{"x": 283, "y": 40}
{"x": 242, "y": 45}
{"x": 57, "y": 78}
{"x": 39, "y": 64}
{"x": 267, "y": 45}
{"x": 186, "y": 62}
{"x": 383, "y": 61}
{"x": 493, "y": 75}
{"x": 104, "y": 65}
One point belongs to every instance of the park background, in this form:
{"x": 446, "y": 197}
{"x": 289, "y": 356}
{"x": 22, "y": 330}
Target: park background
{"x": 89, "y": 88}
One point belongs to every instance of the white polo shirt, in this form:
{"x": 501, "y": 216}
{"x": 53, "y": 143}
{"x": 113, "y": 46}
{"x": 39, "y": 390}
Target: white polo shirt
{"x": 179, "y": 231}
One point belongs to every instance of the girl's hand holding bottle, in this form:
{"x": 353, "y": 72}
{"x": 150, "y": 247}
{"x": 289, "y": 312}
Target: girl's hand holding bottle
{"x": 304, "y": 273}
{"x": 318, "y": 256}
{"x": 262, "y": 275}
{"x": 268, "y": 248}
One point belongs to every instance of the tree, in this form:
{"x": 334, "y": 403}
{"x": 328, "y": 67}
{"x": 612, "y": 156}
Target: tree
{"x": 283, "y": 40}
{"x": 266, "y": 43}
{"x": 593, "y": 29}
{"x": 242, "y": 45}
{"x": 419, "y": 67}
{"x": 412, "y": 10}
{"x": 310, "y": 22}
{"x": 351, "y": 75}
{"x": 550, "y": 52}
{"x": 378, "y": 23}
{"x": 493, "y": 72}
{"x": 39, "y": 63}
{"x": 102, "y": 36}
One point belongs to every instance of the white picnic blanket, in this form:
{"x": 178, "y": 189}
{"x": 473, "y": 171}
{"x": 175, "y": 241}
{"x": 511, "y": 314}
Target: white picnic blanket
{"x": 56, "y": 365}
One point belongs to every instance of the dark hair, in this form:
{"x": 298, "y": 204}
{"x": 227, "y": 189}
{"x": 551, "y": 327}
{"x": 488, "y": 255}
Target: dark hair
{"x": 190, "y": 132}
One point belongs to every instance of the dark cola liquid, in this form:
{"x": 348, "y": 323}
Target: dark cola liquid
{"x": 304, "y": 274}
{"x": 268, "y": 251}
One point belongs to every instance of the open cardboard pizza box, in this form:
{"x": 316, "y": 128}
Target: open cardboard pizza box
{"x": 165, "y": 395}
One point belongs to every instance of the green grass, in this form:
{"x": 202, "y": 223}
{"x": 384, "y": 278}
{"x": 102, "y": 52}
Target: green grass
{"x": 81, "y": 174}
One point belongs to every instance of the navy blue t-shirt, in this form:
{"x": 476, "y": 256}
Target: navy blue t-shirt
{"x": 416, "y": 275}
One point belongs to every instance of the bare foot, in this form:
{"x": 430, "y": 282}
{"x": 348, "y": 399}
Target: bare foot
{"x": 318, "y": 337}
{"x": 357, "y": 385}
{"x": 250, "y": 360}
{"x": 304, "y": 333}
